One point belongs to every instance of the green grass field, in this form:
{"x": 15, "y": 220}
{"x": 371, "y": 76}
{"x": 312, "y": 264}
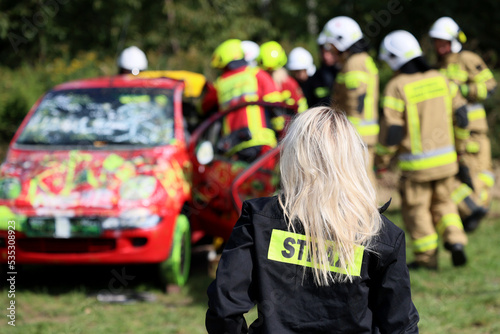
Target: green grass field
{"x": 63, "y": 299}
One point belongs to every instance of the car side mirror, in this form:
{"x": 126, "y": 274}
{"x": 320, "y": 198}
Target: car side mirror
{"x": 205, "y": 153}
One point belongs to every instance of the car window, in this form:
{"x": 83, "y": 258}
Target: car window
{"x": 102, "y": 116}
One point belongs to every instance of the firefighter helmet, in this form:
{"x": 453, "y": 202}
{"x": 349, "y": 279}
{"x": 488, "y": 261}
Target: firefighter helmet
{"x": 251, "y": 50}
{"x": 446, "y": 28}
{"x": 227, "y": 52}
{"x": 133, "y": 59}
{"x": 271, "y": 56}
{"x": 342, "y": 32}
{"x": 398, "y": 48}
{"x": 301, "y": 59}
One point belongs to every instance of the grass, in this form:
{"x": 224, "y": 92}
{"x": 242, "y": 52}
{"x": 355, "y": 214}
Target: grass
{"x": 63, "y": 299}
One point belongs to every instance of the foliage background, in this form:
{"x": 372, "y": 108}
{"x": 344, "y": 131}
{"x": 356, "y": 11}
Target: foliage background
{"x": 46, "y": 42}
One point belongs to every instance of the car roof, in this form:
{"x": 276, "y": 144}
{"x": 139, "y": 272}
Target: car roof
{"x": 193, "y": 82}
{"x": 127, "y": 80}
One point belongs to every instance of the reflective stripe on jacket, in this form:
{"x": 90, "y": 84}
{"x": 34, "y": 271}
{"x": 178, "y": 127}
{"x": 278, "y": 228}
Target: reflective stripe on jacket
{"x": 244, "y": 85}
{"x": 356, "y": 91}
{"x": 476, "y": 83}
{"x": 418, "y": 125}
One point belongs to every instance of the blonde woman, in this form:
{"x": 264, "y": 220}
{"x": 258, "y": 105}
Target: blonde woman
{"x": 318, "y": 258}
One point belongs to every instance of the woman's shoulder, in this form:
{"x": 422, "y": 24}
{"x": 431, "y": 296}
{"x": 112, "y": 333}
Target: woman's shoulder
{"x": 390, "y": 234}
{"x": 264, "y": 206}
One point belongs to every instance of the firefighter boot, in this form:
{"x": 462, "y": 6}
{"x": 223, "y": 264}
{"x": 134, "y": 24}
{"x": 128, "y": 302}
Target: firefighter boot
{"x": 458, "y": 256}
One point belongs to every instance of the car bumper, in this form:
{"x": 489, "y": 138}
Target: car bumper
{"x": 133, "y": 246}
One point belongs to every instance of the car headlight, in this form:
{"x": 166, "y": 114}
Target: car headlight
{"x": 10, "y": 188}
{"x": 137, "y": 188}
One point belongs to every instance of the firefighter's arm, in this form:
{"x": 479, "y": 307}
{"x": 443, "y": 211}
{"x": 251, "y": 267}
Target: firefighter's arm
{"x": 390, "y": 299}
{"x": 459, "y": 106}
{"x": 355, "y": 81}
{"x": 392, "y": 129}
{"x": 231, "y": 294}
{"x": 481, "y": 82}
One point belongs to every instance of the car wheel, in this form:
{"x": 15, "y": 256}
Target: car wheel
{"x": 175, "y": 270}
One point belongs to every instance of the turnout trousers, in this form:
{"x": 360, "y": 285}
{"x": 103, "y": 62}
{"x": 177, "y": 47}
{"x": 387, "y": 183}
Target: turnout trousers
{"x": 472, "y": 189}
{"x": 429, "y": 213}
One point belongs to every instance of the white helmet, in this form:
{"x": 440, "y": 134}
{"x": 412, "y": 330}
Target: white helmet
{"x": 398, "y": 48}
{"x": 342, "y": 32}
{"x": 446, "y": 28}
{"x": 321, "y": 39}
{"x": 133, "y": 59}
{"x": 251, "y": 50}
{"x": 300, "y": 59}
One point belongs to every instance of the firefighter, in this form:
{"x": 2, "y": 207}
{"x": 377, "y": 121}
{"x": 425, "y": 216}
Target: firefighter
{"x": 417, "y": 124}
{"x": 356, "y": 86}
{"x": 475, "y": 179}
{"x": 246, "y": 132}
{"x": 321, "y": 83}
{"x": 132, "y": 60}
{"x": 301, "y": 66}
{"x": 272, "y": 58}
{"x": 319, "y": 257}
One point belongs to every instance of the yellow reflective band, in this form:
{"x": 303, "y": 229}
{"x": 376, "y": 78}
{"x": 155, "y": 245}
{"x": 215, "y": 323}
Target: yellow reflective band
{"x": 353, "y": 79}
{"x": 292, "y": 248}
{"x": 384, "y": 150}
{"x": 476, "y": 114}
{"x": 414, "y": 129}
{"x": 461, "y": 193}
{"x": 273, "y": 97}
{"x": 302, "y": 105}
{"x": 482, "y": 91}
{"x": 426, "y": 243}
{"x": 242, "y": 85}
{"x": 483, "y": 76}
{"x": 322, "y": 92}
{"x": 453, "y": 88}
{"x": 462, "y": 133}
{"x": 426, "y": 163}
{"x": 487, "y": 178}
{"x": 370, "y": 65}
{"x": 426, "y": 89}
{"x": 278, "y": 123}
{"x": 393, "y": 103}
{"x": 364, "y": 128}
{"x": 454, "y": 72}
{"x": 451, "y": 219}
{"x": 264, "y": 136}
{"x": 472, "y": 147}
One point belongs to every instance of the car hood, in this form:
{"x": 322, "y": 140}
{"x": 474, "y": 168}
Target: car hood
{"x": 95, "y": 182}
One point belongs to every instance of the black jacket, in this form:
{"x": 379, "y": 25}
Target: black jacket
{"x": 289, "y": 302}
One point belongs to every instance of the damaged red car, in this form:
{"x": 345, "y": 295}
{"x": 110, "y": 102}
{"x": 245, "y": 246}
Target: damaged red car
{"x": 98, "y": 173}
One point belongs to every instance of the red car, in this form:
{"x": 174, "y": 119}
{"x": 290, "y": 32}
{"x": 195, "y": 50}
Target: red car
{"x": 99, "y": 173}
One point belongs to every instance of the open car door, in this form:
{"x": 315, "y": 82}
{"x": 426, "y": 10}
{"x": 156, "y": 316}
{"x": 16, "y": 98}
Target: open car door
{"x": 221, "y": 183}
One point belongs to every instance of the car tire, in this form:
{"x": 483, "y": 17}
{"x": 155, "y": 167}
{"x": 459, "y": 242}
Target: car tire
{"x": 175, "y": 270}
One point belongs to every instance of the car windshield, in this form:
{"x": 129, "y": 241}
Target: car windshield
{"x": 102, "y": 116}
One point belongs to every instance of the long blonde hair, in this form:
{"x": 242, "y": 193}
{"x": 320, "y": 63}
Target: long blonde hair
{"x": 326, "y": 189}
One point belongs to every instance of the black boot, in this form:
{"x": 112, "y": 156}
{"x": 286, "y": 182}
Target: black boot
{"x": 472, "y": 221}
{"x": 458, "y": 256}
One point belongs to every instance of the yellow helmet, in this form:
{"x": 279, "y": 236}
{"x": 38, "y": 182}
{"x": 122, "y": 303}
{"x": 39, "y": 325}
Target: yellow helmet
{"x": 227, "y": 52}
{"x": 271, "y": 56}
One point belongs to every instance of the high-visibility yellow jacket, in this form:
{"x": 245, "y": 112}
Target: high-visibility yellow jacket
{"x": 418, "y": 126}
{"x": 476, "y": 83}
{"x": 356, "y": 91}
